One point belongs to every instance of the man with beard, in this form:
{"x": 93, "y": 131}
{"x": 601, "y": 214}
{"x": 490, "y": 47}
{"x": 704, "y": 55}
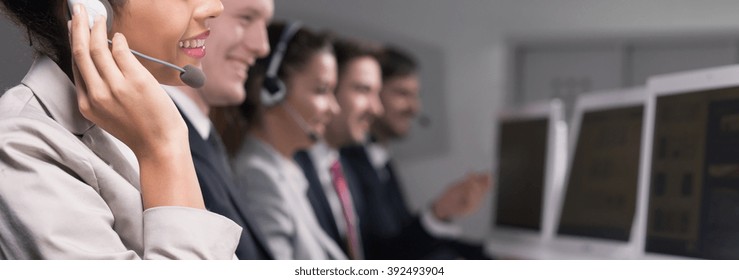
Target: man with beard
{"x": 389, "y": 229}
{"x": 334, "y": 192}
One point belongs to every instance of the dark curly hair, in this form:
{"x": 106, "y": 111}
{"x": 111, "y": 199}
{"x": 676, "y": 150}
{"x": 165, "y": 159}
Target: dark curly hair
{"x": 45, "y": 23}
{"x": 301, "y": 48}
{"x": 233, "y": 122}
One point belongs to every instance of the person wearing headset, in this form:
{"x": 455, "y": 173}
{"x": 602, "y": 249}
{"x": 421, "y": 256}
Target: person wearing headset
{"x": 238, "y": 38}
{"x": 296, "y": 83}
{"x": 390, "y": 230}
{"x": 67, "y": 188}
{"x": 334, "y": 191}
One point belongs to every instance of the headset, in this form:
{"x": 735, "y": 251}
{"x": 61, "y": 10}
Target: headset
{"x": 190, "y": 75}
{"x": 273, "y": 89}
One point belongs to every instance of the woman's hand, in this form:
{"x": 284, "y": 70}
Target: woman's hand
{"x": 117, "y": 93}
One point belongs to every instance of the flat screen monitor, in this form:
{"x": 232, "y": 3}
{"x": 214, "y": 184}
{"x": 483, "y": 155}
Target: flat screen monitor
{"x": 693, "y": 204}
{"x": 522, "y": 168}
{"x": 600, "y": 197}
{"x": 530, "y": 157}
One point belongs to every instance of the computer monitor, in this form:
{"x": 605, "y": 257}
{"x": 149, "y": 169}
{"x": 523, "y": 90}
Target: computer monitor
{"x": 530, "y": 159}
{"x": 693, "y": 168}
{"x": 599, "y": 202}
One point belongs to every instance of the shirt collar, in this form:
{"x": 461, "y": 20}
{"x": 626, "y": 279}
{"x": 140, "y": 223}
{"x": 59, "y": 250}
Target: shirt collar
{"x": 323, "y": 155}
{"x": 378, "y": 155}
{"x": 199, "y": 120}
{"x": 57, "y": 94}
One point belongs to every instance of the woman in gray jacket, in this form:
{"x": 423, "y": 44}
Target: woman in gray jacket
{"x": 77, "y": 128}
{"x": 296, "y": 82}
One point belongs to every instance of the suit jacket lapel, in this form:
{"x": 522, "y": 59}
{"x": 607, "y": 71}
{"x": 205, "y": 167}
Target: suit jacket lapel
{"x": 202, "y": 150}
{"x": 354, "y": 187}
{"x": 374, "y": 193}
{"x": 317, "y": 197}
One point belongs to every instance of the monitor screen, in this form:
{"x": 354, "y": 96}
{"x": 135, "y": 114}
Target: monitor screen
{"x": 602, "y": 185}
{"x": 694, "y": 187}
{"x": 522, "y": 168}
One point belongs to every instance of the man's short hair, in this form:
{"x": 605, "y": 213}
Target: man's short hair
{"x": 396, "y": 63}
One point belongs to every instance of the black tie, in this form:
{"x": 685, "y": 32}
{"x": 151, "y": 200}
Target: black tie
{"x": 215, "y": 142}
{"x": 384, "y": 173}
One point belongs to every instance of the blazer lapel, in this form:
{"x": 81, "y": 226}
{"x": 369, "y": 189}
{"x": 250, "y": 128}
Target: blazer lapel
{"x": 103, "y": 146}
{"x": 203, "y": 153}
{"x": 61, "y": 105}
{"x": 354, "y": 187}
{"x": 317, "y": 197}
{"x": 375, "y": 195}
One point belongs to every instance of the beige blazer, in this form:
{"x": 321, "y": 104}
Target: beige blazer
{"x": 66, "y": 191}
{"x": 274, "y": 189}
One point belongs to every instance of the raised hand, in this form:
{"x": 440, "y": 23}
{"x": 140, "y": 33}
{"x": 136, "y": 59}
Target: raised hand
{"x": 463, "y": 197}
{"x": 117, "y": 93}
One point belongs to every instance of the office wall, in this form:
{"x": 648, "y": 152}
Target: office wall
{"x": 15, "y": 55}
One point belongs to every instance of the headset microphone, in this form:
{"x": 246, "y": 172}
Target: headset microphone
{"x": 190, "y": 75}
{"x": 273, "y": 88}
{"x": 424, "y": 120}
{"x": 301, "y": 122}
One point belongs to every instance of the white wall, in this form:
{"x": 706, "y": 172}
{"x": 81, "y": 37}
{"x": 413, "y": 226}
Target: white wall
{"x": 473, "y": 39}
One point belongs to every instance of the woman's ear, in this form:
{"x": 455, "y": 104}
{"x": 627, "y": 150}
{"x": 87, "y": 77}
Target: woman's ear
{"x": 95, "y": 8}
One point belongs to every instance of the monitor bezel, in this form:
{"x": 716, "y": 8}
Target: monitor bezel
{"x": 666, "y": 85}
{"x": 582, "y": 247}
{"x": 513, "y": 242}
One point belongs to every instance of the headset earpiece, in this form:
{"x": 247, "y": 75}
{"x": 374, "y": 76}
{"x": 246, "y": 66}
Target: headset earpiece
{"x": 190, "y": 75}
{"x": 111, "y": 14}
{"x": 95, "y": 8}
{"x": 273, "y": 89}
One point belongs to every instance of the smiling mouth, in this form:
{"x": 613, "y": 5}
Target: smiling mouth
{"x": 192, "y": 44}
{"x": 195, "y": 46}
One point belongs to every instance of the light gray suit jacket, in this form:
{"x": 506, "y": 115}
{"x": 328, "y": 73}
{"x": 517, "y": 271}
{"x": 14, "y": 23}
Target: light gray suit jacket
{"x": 66, "y": 191}
{"x": 275, "y": 191}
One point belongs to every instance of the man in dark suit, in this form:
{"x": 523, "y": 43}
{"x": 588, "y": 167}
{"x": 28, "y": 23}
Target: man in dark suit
{"x": 389, "y": 229}
{"x": 333, "y": 189}
{"x": 234, "y": 45}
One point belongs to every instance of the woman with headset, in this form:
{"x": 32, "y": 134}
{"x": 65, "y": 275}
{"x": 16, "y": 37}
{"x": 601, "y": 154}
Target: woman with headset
{"x": 297, "y": 100}
{"x": 87, "y": 115}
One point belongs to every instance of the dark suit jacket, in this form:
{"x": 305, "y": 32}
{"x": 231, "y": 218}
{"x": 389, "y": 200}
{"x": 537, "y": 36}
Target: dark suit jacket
{"x": 389, "y": 230}
{"x": 216, "y": 185}
{"x": 319, "y": 202}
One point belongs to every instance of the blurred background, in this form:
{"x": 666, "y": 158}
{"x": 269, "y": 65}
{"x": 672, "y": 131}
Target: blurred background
{"x": 478, "y": 57}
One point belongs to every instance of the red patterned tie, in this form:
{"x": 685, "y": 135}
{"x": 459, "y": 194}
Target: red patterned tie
{"x": 342, "y": 190}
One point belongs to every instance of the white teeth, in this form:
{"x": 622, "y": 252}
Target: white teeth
{"x": 192, "y": 44}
